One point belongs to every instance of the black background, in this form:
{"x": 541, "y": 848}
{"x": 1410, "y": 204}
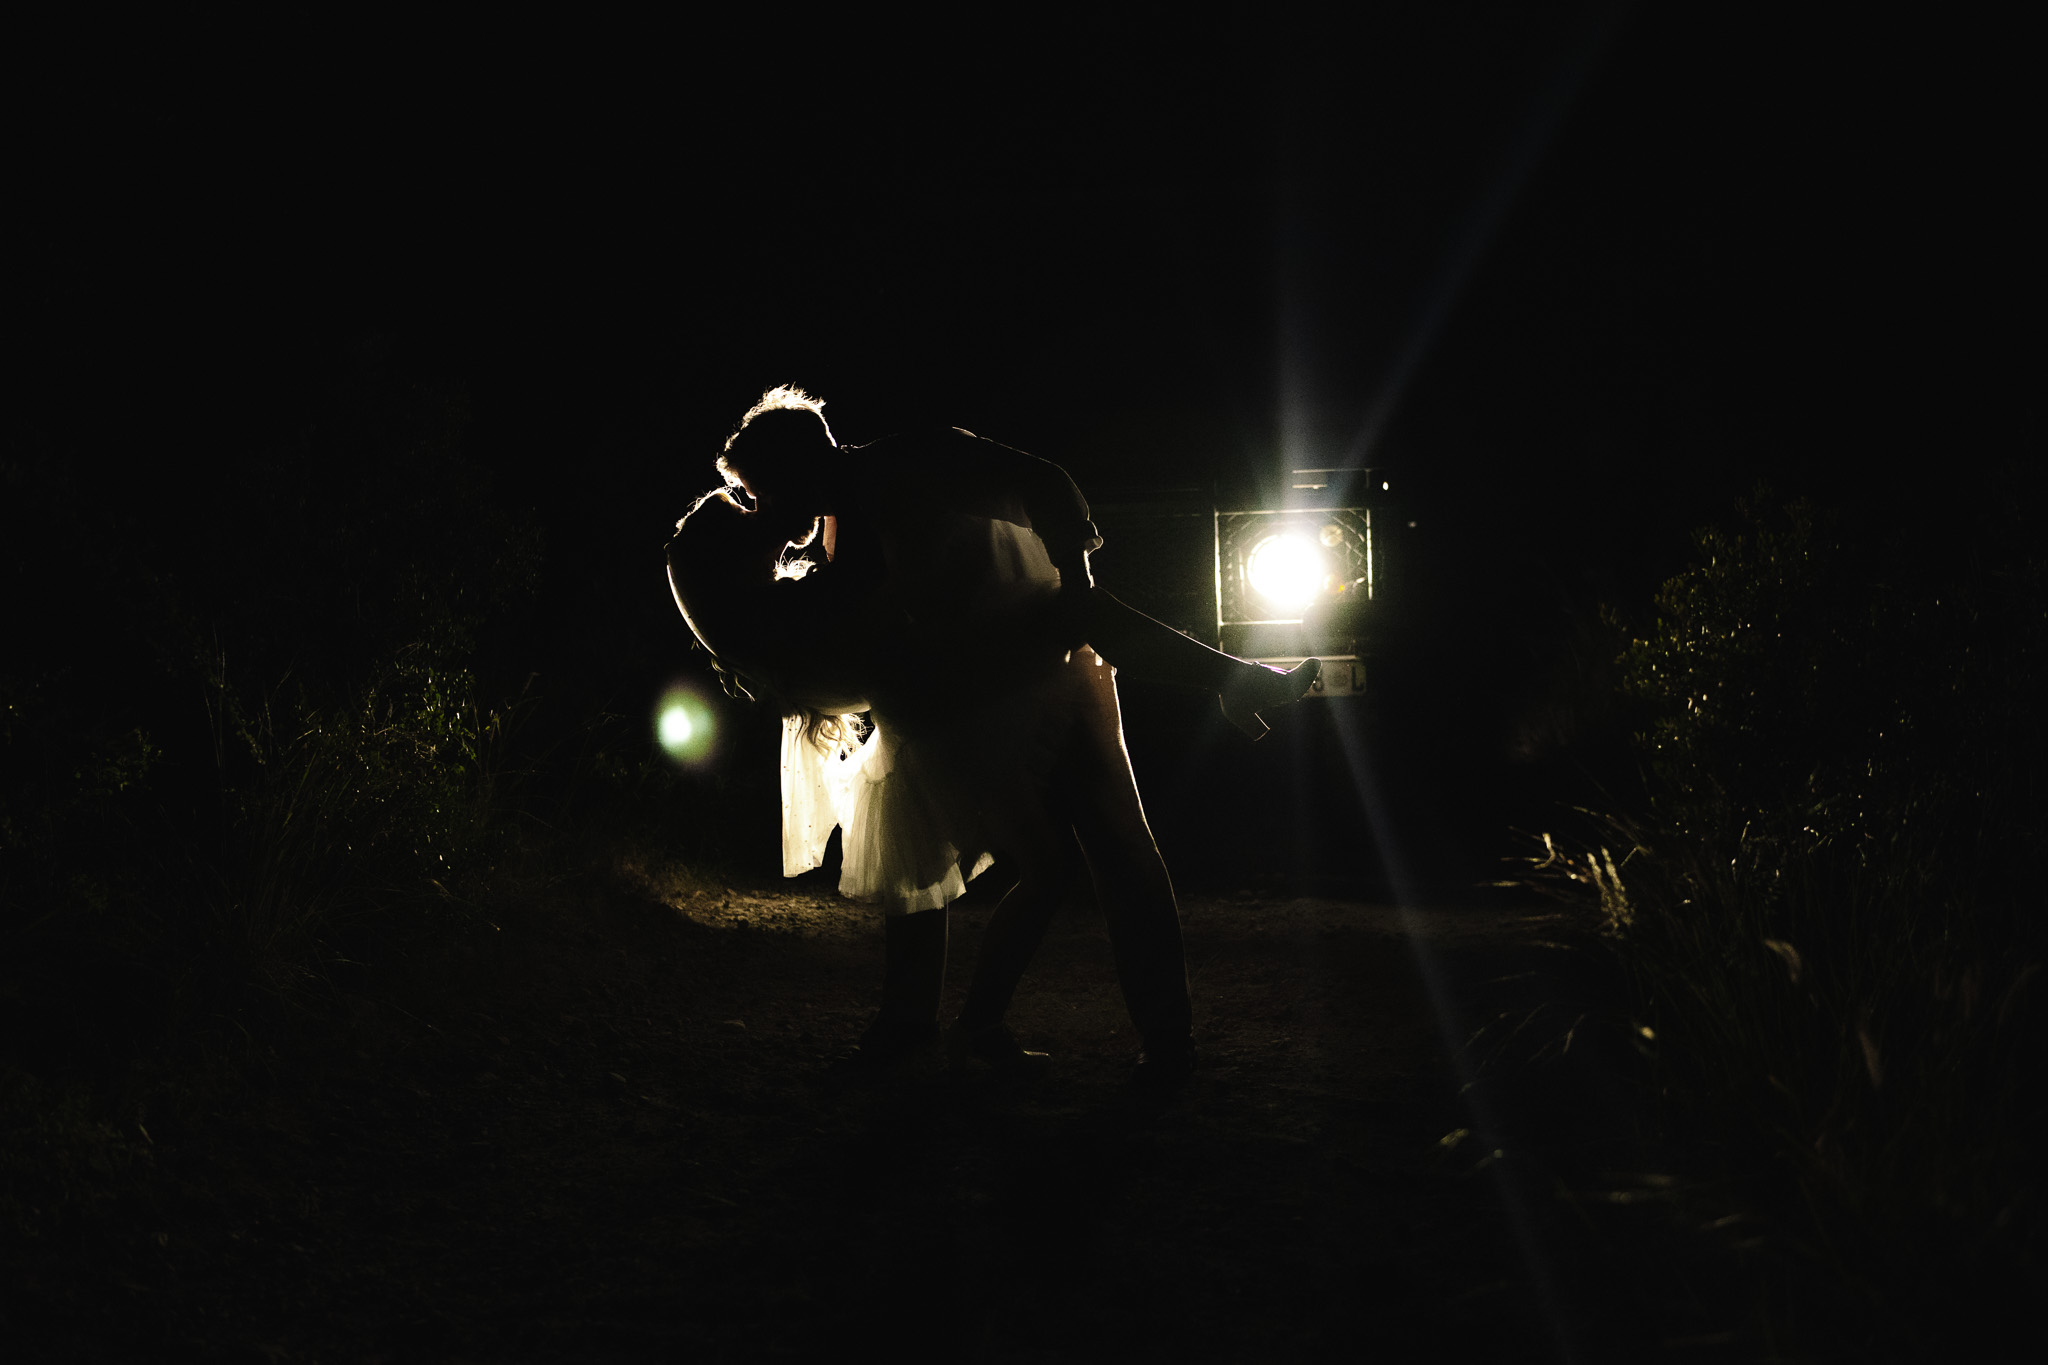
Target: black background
{"x": 1574, "y": 277}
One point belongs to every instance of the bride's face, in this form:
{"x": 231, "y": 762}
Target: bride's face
{"x": 781, "y": 523}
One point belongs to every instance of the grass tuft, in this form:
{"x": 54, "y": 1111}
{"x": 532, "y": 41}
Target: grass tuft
{"x": 1830, "y": 912}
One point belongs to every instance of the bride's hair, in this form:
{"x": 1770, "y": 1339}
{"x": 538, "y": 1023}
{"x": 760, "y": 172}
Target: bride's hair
{"x": 721, "y": 606}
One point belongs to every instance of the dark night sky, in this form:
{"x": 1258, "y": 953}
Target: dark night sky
{"x": 1578, "y": 245}
{"x": 1575, "y": 275}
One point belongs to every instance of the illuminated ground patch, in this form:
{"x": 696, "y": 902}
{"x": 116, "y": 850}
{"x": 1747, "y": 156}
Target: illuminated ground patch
{"x": 795, "y": 915}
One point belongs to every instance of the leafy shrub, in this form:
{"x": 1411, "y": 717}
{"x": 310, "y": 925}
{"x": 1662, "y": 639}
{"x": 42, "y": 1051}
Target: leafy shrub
{"x": 331, "y": 811}
{"x": 243, "y": 703}
{"x": 1832, "y": 911}
{"x": 1829, "y": 678}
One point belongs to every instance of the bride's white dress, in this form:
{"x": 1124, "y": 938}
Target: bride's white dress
{"x": 935, "y": 790}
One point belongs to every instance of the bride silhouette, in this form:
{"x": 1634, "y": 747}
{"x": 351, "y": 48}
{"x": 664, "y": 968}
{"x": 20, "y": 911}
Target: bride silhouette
{"x": 939, "y": 583}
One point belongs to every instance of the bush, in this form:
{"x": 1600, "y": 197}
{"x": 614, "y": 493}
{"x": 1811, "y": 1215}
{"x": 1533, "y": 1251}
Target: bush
{"x": 331, "y": 813}
{"x": 1832, "y": 911}
{"x": 234, "y": 721}
{"x": 1826, "y": 679}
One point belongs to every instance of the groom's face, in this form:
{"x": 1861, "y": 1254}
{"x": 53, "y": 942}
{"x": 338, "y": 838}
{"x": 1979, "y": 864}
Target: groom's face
{"x": 784, "y": 459}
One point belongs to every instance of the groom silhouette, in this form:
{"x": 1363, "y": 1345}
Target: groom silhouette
{"x": 864, "y": 502}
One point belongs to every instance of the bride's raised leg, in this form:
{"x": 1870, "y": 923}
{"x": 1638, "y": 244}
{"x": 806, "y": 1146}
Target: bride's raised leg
{"x": 1153, "y": 651}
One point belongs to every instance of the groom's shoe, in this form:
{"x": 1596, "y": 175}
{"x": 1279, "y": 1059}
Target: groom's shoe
{"x": 1252, "y": 693}
{"x": 995, "y": 1047}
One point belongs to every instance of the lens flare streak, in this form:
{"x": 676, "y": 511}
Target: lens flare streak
{"x": 1452, "y": 1030}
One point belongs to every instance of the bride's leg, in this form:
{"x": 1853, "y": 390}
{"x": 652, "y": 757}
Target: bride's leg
{"x": 1152, "y": 651}
{"x": 914, "y": 967}
{"x": 1132, "y": 882}
{"x": 913, "y": 976}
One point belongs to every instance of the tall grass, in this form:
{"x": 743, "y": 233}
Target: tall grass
{"x": 244, "y": 710}
{"x": 329, "y": 814}
{"x": 1832, "y": 909}
{"x": 269, "y": 726}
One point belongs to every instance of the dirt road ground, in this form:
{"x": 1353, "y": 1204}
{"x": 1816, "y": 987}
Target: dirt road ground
{"x": 618, "y": 1133}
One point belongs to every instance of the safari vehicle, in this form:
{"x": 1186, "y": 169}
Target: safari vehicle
{"x": 1275, "y": 584}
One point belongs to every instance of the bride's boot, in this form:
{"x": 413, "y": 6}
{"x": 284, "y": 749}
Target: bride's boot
{"x": 913, "y": 978}
{"x": 1247, "y": 694}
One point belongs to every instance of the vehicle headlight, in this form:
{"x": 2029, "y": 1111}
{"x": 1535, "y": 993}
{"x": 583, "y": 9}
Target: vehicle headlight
{"x": 1286, "y": 569}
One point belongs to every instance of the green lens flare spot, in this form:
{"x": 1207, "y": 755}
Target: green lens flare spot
{"x": 676, "y": 728}
{"x": 682, "y": 725}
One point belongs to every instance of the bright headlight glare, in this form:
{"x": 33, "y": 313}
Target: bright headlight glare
{"x": 1286, "y": 570}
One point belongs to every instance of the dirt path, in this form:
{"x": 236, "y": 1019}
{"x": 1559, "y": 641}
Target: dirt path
{"x": 619, "y": 1135}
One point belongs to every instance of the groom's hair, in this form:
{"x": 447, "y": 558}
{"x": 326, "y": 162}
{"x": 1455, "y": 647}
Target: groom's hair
{"x": 786, "y": 428}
